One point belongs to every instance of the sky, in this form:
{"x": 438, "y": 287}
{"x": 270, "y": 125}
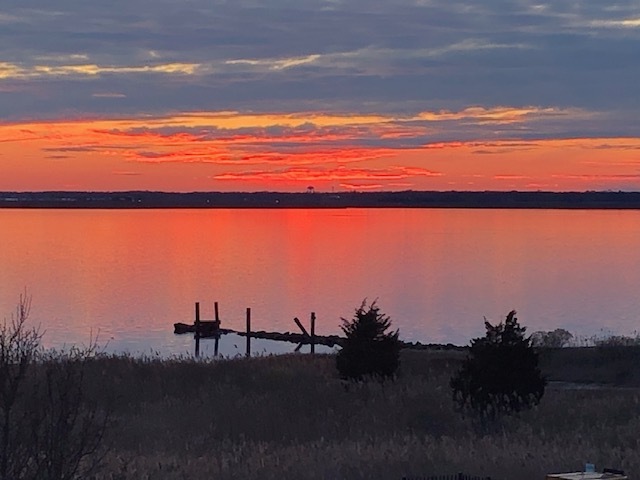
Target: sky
{"x": 240, "y": 95}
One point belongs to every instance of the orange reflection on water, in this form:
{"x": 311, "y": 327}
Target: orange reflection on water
{"x": 132, "y": 274}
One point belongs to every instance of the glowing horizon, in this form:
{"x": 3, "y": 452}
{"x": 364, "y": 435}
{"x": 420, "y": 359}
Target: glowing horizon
{"x": 192, "y": 97}
{"x": 233, "y": 151}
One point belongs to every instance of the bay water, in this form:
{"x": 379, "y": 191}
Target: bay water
{"x": 125, "y": 276}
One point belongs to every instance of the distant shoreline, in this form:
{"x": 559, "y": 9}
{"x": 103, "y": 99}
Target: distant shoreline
{"x": 279, "y": 200}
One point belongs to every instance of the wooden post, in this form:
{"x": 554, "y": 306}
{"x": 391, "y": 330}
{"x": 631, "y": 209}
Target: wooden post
{"x": 248, "y": 332}
{"x": 301, "y": 327}
{"x": 217, "y": 338}
{"x": 197, "y": 324}
{"x": 313, "y": 332}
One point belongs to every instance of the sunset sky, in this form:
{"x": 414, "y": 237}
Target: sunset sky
{"x": 202, "y": 95}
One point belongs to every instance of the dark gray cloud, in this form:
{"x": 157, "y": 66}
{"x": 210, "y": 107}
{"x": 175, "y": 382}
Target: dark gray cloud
{"x": 75, "y": 58}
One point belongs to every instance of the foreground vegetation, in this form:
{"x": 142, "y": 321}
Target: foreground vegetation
{"x": 79, "y": 414}
{"x": 292, "y": 417}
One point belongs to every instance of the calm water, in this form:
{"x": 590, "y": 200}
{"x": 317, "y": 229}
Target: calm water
{"x": 127, "y": 276}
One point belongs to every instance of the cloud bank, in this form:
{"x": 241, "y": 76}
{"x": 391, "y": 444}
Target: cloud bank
{"x": 360, "y": 92}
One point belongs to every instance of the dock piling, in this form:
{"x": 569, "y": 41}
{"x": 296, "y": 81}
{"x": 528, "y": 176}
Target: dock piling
{"x": 248, "y": 332}
{"x": 313, "y": 332}
{"x": 197, "y": 334}
{"x": 217, "y": 338}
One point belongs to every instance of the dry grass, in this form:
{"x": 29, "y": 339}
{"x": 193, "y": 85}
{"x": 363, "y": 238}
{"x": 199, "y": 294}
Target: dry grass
{"x": 291, "y": 417}
{"x": 606, "y": 364}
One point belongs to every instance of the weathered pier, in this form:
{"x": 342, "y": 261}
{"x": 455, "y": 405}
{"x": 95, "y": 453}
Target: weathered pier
{"x": 212, "y": 329}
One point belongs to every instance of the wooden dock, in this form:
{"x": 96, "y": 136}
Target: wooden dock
{"x": 212, "y": 329}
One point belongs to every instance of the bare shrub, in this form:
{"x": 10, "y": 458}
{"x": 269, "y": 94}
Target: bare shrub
{"x": 68, "y": 436}
{"x": 557, "y": 338}
{"x": 19, "y": 349}
{"x": 614, "y": 341}
{"x": 49, "y": 430}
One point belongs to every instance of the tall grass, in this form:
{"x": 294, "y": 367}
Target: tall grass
{"x": 292, "y": 417}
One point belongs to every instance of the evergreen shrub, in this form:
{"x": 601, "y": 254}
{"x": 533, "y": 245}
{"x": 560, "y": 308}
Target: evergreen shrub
{"x": 368, "y": 350}
{"x": 501, "y": 375}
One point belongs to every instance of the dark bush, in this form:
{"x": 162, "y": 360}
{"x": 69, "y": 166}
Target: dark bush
{"x": 501, "y": 375}
{"x": 368, "y": 349}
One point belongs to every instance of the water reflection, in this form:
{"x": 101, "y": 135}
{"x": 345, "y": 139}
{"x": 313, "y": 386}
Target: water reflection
{"x": 129, "y": 275}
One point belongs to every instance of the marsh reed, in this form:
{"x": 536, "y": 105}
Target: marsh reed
{"x": 291, "y": 416}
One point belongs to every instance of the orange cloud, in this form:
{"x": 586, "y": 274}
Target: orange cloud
{"x": 589, "y": 177}
{"x": 340, "y": 173}
{"x": 499, "y": 115}
{"x": 221, "y": 150}
{"x": 221, "y": 156}
{"x": 360, "y": 186}
{"x": 510, "y": 177}
{"x": 17, "y": 71}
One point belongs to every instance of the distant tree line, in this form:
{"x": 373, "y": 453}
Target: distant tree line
{"x": 319, "y": 199}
